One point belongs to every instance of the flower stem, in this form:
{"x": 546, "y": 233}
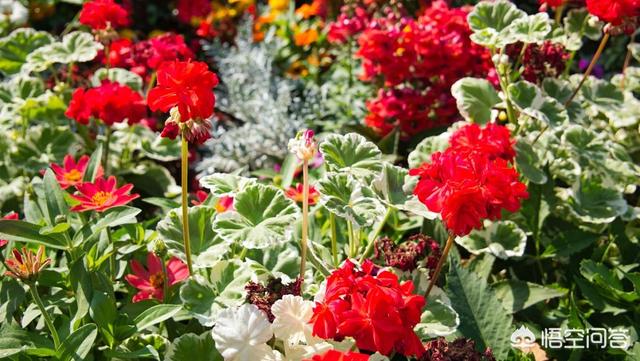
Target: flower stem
{"x": 334, "y": 239}
{"x": 441, "y": 261}
{"x": 165, "y": 282}
{"x": 45, "y": 315}
{"x": 185, "y": 202}
{"x": 105, "y": 156}
{"x": 305, "y": 216}
{"x": 112, "y": 258}
{"x": 592, "y": 65}
{"x": 376, "y": 233}
{"x": 627, "y": 61}
{"x": 352, "y": 240}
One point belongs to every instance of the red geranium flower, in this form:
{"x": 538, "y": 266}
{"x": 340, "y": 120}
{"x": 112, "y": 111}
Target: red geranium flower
{"x": 201, "y": 196}
{"x": 188, "y": 10}
{"x": 103, "y": 14}
{"x": 297, "y": 194}
{"x": 187, "y": 85}
{"x": 150, "y": 281}
{"x": 102, "y": 195}
{"x": 614, "y": 11}
{"x": 493, "y": 140}
{"x": 110, "y": 103}
{"x": 333, "y": 355}
{"x": 12, "y": 216}
{"x": 71, "y": 173}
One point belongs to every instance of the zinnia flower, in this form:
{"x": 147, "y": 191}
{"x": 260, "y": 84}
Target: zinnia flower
{"x": 242, "y": 334}
{"x": 103, "y": 14}
{"x": 614, "y": 11}
{"x": 71, "y": 173}
{"x": 26, "y": 266}
{"x": 110, "y": 102}
{"x": 224, "y": 204}
{"x": 12, "y": 216}
{"x": 291, "y": 319}
{"x": 333, "y": 355}
{"x": 297, "y": 194}
{"x": 186, "y": 85}
{"x": 102, "y": 195}
{"x": 150, "y": 281}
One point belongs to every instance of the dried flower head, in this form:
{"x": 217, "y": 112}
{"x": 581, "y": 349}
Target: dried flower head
{"x": 406, "y": 256}
{"x": 26, "y": 265}
{"x": 264, "y": 296}
{"x": 459, "y": 349}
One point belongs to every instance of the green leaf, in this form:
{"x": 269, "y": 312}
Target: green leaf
{"x": 529, "y": 164}
{"x": 561, "y": 91}
{"x": 530, "y": 100}
{"x": 439, "y": 318}
{"x": 262, "y": 217}
{"x": 491, "y": 22}
{"x": 78, "y": 344}
{"x": 20, "y": 231}
{"x": 591, "y": 201}
{"x": 14, "y": 340}
{"x": 581, "y": 23}
{"x": 76, "y": 47}
{"x": 475, "y": 99}
{"x": 288, "y": 170}
{"x": 205, "y": 243}
{"x": 93, "y": 166}
{"x": 15, "y": 47}
{"x": 518, "y": 295}
{"x": 56, "y": 205}
{"x": 634, "y": 48}
{"x": 503, "y": 239}
{"x": 394, "y": 187}
{"x": 221, "y": 184}
{"x": 161, "y": 149}
{"x": 350, "y": 153}
{"x": 191, "y": 347}
{"x": 602, "y": 95}
{"x": 114, "y": 217}
{"x": 482, "y": 316}
{"x": 426, "y": 147}
{"x": 532, "y": 28}
{"x": 80, "y": 280}
{"x": 342, "y": 195}
{"x": 608, "y": 282}
{"x": 155, "y": 315}
{"x": 118, "y": 75}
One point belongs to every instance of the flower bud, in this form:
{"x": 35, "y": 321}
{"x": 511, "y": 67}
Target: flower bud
{"x": 304, "y": 145}
{"x": 160, "y": 248}
{"x": 60, "y": 218}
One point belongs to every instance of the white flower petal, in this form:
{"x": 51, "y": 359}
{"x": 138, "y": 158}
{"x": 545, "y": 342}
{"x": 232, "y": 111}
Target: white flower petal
{"x": 292, "y": 316}
{"x": 242, "y": 332}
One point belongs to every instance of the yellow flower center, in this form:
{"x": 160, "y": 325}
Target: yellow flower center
{"x": 157, "y": 280}
{"x": 101, "y": 198}
{"x": 73, "y": 175}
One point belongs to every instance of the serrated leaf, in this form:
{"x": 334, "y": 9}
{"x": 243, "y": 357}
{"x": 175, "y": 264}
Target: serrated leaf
{"x": 78, "y": 344}
{"x": 191, "y": 347}
{"x": 15, "y": 47}
{"x": 350, "y": 153}
{"x": 262, "y": 217}
{"x": 426, "y": 147}
{"x": 482, "y": 316}
{"x": 518, "y": 295}
{"x": 118, "y": 75}
{"x": 503, "y": 239}
{"x": 529, "y": 164}
{"x": 532, "y": 28}
{"x": 530, "y": 100}
{"x": 591, "y": 201}
{"x": 491, "y": 22}
{"x": 343, "y": 196}
{"x": 475, "y": 99}
{"x": 581, "y": 23}
{"x": 222, "y": 184}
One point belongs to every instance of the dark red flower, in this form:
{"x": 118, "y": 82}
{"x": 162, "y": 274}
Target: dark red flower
{"x": 186, "y": 85}
{"x": 264, "y": 296}
{"x": 71, "y": 173}
{"x": 459, "y": 349}
{"x": 188, "y": 10}
{"x": 12, "y": 216}
{"x": 110, "y": 103}
{"x": 102, "y": 195}
{"x": 614, "y": 11}
{"x": 406, "y": 255}
{"x": 103, "y": 14}
{"x": 150, "y": 281}
{"x": 333, "y": 355}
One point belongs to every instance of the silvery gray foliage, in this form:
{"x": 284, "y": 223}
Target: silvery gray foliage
{"x": 267, "y": 109}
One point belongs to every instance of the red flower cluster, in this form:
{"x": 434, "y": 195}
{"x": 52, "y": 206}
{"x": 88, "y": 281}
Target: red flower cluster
{"x": 472, "y": 180}
{"x": 110, "y": 102}
{"x": 71, "y": 173}
{"x": 142, "y": 56}
{"x": 614, "y": 11}
{"x": 102, "y": 195}
{"x": 333, "y": 355}
{"x": 347, "y": 26}
{"x": 418, "y": 60}
{"x": 540, "y": 61}
{"x": 190, "y": 10}
{"x": 371, "y": 306}
{"x": 103, "y": 14}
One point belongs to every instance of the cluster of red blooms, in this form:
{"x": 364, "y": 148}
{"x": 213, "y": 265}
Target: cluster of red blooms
{"x": 333, "y": 355}
{"x": 408, "y": 55}
{"x": 473, "y": 179}
{"x": 264, "y": 296}
{"x": 103, "y": 14}
{"x": 371, "y": 306}
{"x": 615, "y": 12}
{"x": 540, "y": 61}
{"x": 459, "y": 349}
{"x": 407, "y": 255}
{"x": 110, "y": 102}
{"x": 147, "y": 55}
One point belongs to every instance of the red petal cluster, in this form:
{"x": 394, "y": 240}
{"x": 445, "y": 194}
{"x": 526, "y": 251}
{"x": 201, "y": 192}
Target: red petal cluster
{"x": 371, "y": 306}
{"x": 187, "y": 85}
{"x": 614, "y": 11}
{"x": 406, "y": 256}
{"x": 110, "y": 102}
{"x": 103, "y": 14}
{"x": 190, "y": 10}
{"x": 150, "y": 281}
{"x": 102, "y": 195}
{"x": 418, "y": 60}
{"x": 552, "y": 3}
{"x": 333, "y": 355}
{"x": 472, "y": 180}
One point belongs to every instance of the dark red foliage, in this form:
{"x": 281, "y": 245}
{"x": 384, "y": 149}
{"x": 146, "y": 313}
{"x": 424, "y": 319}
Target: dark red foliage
{"x": 407, "y": 255}
{"x": 460, "y": 349}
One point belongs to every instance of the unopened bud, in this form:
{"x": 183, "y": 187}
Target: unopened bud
{"x": 160, "y": 249}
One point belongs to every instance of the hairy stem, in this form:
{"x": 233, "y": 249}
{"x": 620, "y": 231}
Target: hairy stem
{"x": 45, "y": 315}
{"x": 594, "y": 60}
{"x": 305, "y": 217}
{"x": 441, "y": 261}
{"x": 185, "y": 202}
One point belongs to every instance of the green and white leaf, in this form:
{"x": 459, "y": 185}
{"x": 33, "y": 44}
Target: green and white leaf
{"x": 345, "y": 197}
{"x": 492, "y": 23}
{"x": 531, "y": 101}
{"x": 529, "y": 163}
{"x": 15, "y": 47}
{"x": 351, "y": 153}
{"x": 518, "y": 295}
{"x": 118, "y": 75}
{"x": 224, "y": 184}
{"x": 532, "y": 28}
{"x": 581, "y": 23}
{"x": 475, "y": 99}
{"x": 262, "y": 217}
{"x": 591, "y": 200}
{"x": 439, "y": 318}
{"x": 426, "y": 147}
{"x": 75, "y": 47}
{"x": 394, "y": 187}
{"x": 503, "y": 239}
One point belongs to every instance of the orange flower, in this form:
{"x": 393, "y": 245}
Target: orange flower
{"x": 258, "y": 26}
{"x": 26, "y": 265}
{"x": 307, "y": 10}
{"x": 306, "y": 37}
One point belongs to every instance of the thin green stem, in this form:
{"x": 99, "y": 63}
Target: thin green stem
{"x": 352, "y": 240}
{"x": 107, "y": 148}
{"x": 112, "y": 258}
{"x": 45, "y": 315}
{"x": 376, "y": 233}
{"x": 503, "y": 78}
{"x": 441, "y": 261}
{"x": 594, "y": 60}
{"x": 185, "y": 202}
{"x": 165, "y": 282}
{"x": 305, "y": 217}
{"x": 334, "y": 239}
{"x": 152, "y": 82}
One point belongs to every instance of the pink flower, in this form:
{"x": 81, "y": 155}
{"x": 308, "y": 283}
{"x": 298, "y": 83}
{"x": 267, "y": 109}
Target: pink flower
{"x": 150, "y": 281}
{"x": 71, "y": 173}
{"x": 102, "y": 195}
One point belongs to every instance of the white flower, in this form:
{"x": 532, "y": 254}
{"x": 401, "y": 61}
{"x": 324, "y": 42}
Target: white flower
{"x": 304, "y": 145}
{"x": 13, "y": 12}
{"x": 303, "y": 352}
{"x": 242, "y": 333}
{"x": 291, "y": 323}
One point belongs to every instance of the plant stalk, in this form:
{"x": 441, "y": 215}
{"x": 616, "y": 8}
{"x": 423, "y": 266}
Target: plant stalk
{"x": 376, "y": 233}
{"x": 45, "y": 315}
{"x": 441, "y": 261}
{"x": 185, "y": 202}
{"x": 592, "y": 65}
{"x": 627, "y": 61}
{"x": 334, "y": 239}
{"x": 305, "y": 217}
